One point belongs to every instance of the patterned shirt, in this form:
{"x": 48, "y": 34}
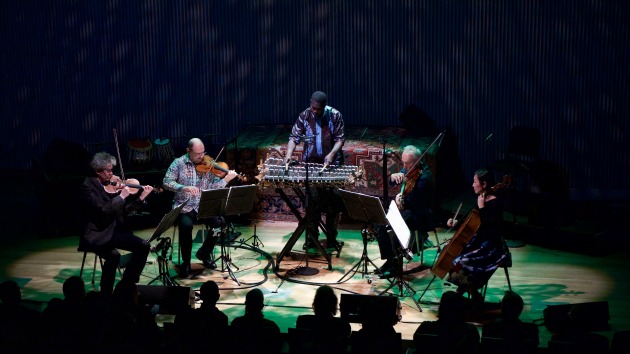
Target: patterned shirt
{"x": 319, "y": 134}
{"x": 182, "y": 173}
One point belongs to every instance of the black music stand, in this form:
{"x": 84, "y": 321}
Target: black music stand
{"x": 403, "y": 236}
{"x": 164, "y": 245}
{"x": 225, "y": 202}
{"x": 369, "y": 210}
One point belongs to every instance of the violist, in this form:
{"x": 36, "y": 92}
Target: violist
{"x": 416, "y": 208}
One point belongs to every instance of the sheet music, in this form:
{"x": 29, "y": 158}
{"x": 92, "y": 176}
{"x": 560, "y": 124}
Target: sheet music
{"x": 399, "y": 226}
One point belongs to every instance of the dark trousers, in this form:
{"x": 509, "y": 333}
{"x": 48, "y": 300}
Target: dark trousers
{"x": 139, "y": 249}
{"x": 388, "y": 242}
{"x": 323, "y": 200}
{"x": 185, "y": 223}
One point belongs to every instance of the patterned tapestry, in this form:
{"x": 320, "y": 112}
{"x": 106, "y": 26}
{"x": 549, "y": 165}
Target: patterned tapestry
{"x": 363, "y": 148}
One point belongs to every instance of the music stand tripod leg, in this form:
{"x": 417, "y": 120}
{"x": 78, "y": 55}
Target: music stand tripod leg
{"x": 363, "y": 261}
{"x": 257, "y": 243}
{"x": 403, "y": 286}
{"x": 226, "y": 261}
{"x": 163, "y": 272}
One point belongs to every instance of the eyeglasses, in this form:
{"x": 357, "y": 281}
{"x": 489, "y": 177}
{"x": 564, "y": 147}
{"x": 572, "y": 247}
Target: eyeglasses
{"x": 105, "y": 170}
{"x": 198, "y": 153}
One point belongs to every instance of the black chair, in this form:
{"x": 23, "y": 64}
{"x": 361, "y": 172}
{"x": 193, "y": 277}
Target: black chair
{"x": 365, "y": 343}
{"x": 309, "y": 341}
{"x": 505, "y": 265}
{"x": 490, "y": 345}
{"x": 97, "y": 259}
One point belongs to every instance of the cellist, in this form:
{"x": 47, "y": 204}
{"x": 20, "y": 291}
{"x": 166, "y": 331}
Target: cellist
{"x": 415, "y": 202}
{"x": 486, "y": 250}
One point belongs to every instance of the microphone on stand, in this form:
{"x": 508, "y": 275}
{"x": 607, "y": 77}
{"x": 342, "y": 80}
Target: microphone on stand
{"x": 362, "y": 134}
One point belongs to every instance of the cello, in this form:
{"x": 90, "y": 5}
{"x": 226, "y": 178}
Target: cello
{"x": 462, "y": 236}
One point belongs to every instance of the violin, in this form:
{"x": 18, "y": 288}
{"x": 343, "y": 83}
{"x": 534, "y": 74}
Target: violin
{"x": 219, "y": 169}
{"x": 409, "y": 181}
{"x": 116, "y": 183}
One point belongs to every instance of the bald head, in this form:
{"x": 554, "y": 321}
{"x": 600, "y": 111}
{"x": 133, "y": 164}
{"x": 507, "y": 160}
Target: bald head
{"x": 196, "y": 150}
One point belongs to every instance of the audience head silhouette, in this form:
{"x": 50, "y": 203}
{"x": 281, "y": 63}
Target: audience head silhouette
{"x": 10, "y": 293}
{"x": 325, "y": 301}
{"x": 254, "y": 301}
{"x": 74, "y": 289}
{"x": 511, "y": 305}
{"x": 452, "y": 307}
{"x": 209, "y": 292}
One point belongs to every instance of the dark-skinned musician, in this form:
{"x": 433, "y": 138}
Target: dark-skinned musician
{"x": 105, "y": 227}
{"x": 183, "y": 178}
{"x": 415, "y": 205}
{"x": 321, "y": 127}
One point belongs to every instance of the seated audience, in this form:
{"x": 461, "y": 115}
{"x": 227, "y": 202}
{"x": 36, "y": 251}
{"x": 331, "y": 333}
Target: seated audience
{"x": 252, "y": 333}
{"x": 206, "y": 322}
{"x": 450, "y": 333}
{"x": 377, "y": 333}
{"x": 517, "y": 336}
{"x": 332, "y": 332}
{"x": 17, "y": 322}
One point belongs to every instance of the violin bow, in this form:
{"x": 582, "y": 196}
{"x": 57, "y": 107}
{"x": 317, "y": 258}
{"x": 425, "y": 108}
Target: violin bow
{"x": 122, "y": 172}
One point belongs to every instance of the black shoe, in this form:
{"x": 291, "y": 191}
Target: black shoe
{"x": 205, "y": 259}
{"x": 184, "y": 270}
{"x": 386, "y": 267}
{"x": 392, "y": 273}
{"x": 333, "y": 245}
{"x": 308, "y": 246}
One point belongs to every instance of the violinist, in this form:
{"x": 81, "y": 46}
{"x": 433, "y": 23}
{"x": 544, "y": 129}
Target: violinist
{"x": 486, "y": 250}
{"x": 187, "y": 181}
{"x": 415, "y": 204}
{"x": 105, "y": 227}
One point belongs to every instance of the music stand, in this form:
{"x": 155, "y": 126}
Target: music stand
{"x": 225, "y": 202}
{"x": 403, "y": 235}
{"x": 369, "y": 210}
{"x": 164, "y": 245}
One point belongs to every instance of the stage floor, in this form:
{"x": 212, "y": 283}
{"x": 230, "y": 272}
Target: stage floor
{"x": 540, "y": 275}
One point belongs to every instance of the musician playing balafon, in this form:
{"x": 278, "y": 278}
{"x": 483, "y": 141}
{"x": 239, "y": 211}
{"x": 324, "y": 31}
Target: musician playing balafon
{"x": 321, "y": 127}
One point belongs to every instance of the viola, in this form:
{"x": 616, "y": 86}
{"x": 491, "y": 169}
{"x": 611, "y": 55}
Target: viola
{"x": 219, "y": 169}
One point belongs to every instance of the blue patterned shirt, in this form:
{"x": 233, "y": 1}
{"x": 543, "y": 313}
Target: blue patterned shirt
{"x": 319, "y": 134}
{"x": 182, "y": 173}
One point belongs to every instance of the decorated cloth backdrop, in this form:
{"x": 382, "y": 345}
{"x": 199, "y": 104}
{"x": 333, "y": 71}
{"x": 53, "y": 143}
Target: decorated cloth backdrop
{"x": 363, "y": 148}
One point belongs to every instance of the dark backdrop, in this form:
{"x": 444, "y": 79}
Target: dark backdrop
{"x": 74, "y": 70}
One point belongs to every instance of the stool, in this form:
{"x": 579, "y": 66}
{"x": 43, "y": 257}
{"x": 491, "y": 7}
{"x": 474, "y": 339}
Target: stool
{"x": 96, "y": 258}
{"x": 416, "y": 235}
{"x": 505, "y": 265}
